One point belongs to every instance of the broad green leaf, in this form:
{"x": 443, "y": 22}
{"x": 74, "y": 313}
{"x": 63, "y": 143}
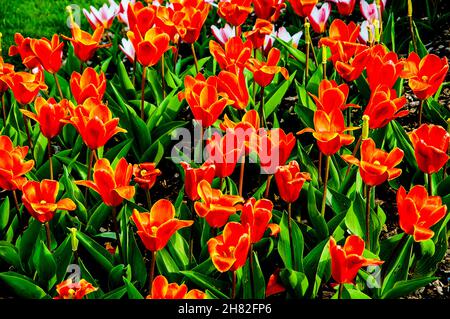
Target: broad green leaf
{"x": 133, "y": 293}
{"x": 406, "y": 287}
{"x": 98, "y": 252}
{"x": 277, "y": 96}
{"x": 22, "y": 286}
{"x": 205, "y": 282}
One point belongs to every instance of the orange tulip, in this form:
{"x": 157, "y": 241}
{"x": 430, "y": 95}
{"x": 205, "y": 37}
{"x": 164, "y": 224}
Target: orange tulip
{"x": 235, "y": 86}
{"x": 12, "y": 164}
{"x": 193, "y": 176}
{"x": 40, "y": 200}
{"x": 332, "y": 96}
{"x": 303, "y": 8}
{"x": 112, "y": 185}
{"x": 425, "y": 75}
{"x": 235, "y": 12}
{"x": 274, "y": 148}
{"x": 74, "y": 290}
{"x": 5, "y": 70}
{"x": 25, "y": 86}
{"x": 49, "y": 115}
{"x": 85, "y": 44}
{"x": 229, "y": 250}
{"x": 268, "y": 9}
{"x": 225, "y": 152}
{"x": 383, "y": 67}
{"x": 156, "y": 227}
{"x": 257, "y": 214}
{"x": 161, "y": 289}
{"x": 430, "y": 147}
{"x": 264, "y": 72}
{"x": 140, "y": 18}
{"x": 261, "y": 30}
{"x": 250, "y": 118}
{"x": 48, "y": 53}
{"x": 204, "y": 99}
{"x": 346, "y": 261}
{"x": 273, "y": 285}
{"x": 149, "y": 46}
{"x": 329, "y": 131}
{"x": 23, "y": 48}
{"x": 94, "y": 122}
{"x": 145, "y": 175}
{"x": 164, "y": 20}
{"x": 376, "y": 166}
{"x": 189, "y": 18}
{"x": 215, "y": 207}
{"x": 418, "y": 212}
{"x": 384, "y": 106}
{"x": 86, "y": 85}
{"x": 233, "y": 56}
{"x": 290, "y": 181}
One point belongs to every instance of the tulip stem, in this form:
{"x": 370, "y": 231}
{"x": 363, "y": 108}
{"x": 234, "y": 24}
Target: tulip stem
{"x": 233, "y": 287}
{"x": 4, "y": 109}
{"x": 369, "y": 188}
{"x": 430, "y": 185}
{"x": 269, "y": 179}
{"x": 358, "y": 144}
{"x": 152, "y": 272}
{"x": 341, "y": 289}
{"x": 90, "y": 161}
{"x": 421, "y": 111}
{"x": 50, "y": 162}
{"x": 162, "y": 75}
{"x": 320, "y": 167}
{"x": 16, "y": 203}
{"x": 144, "y": 74}
{"x": 27, "y": 130}
{"x": 48, "y": 233}
{"x": 251, "y": 269}
{"x": 413, "y": 36}
{"x": 191, "y": 236}
{"x": 134, "y": 72}
{"x": 241, "y": 176}
{"x": 195, "y": 57}
{"x": 325, "y": 184}
{"x": 261, "y": 96}
{"x": 149, "y": 199}
{"x": 58, "y": 85}
{"x": 116, "y": 230}
{"x": 291, "y": 244}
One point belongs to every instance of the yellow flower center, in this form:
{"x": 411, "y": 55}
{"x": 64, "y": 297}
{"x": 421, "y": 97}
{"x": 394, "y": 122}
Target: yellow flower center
{"x": 154, "y": 229}
{"x": 143, "y": 172}
{"x": 425, "y": 78}
{"x": 43, "y": 202}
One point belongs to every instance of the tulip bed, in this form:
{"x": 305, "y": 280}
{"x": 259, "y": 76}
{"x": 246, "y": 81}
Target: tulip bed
{"x": 224, "y": 149}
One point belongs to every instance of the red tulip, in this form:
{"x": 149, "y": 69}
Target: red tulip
{"x": 418, "y": 212}
{"x": 273, "y": 285}
{"x": 329, "y": 131}
{"x": 384, "y": 106}
{"x": 250, "y": 118}
{"x": 140, "y": 18}
{"x": 84, "y": 44}
{"x": 189, "y": 18}
{"x": 233, "y": 56}
{"x": 425, "y": 75}
{"x": 113, "y": 185}
{"x": 235, "y": 12}
{"x": 274, "y": 148}
{"x": 303, "y": 8}
{"x": 345, "y": 7}
{"x": 5, "y": 69}
{"x": 23, "y": 48}
{"x": 74, "y": 290}
{"x": 225, "y": 152}
{"x": 25, "y": 86}
{"x": 257, "y": 214}
{"x": 161, "y": 289}
{"x": 40, "y": 200}
{"x": 229, "y": 250}
{"x": 268, "y": 9}
{"x": 156, "y": 227}
{"x": 215, "y": 207}
{"x": 193, "y": 176}
{"x": 48, "y": 53}
{"x": 94, "y": 122}
{"x": 12, "y": 164}
{"x": 49, "y": 115}
{"x": 290, "y": 181}
{"x": 430, "y": 147}
{"x": 376, "y": 166}
{"x": 235, "y": 87}
{"x": 264, "y": 72}
{"x": 332, "y": 96}
{"x": 383, "y": 67}
{"x": 261, "y": 30}
{"x": 86, "y": 85}
{"x": 145, "y": 175}
{"x": 346, "y": 261}
{"x": 149, "y": 46}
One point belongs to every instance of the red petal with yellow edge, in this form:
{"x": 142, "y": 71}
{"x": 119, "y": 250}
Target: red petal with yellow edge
{"x": 49, "y": 190}
{"x": 159, "y": 287}
{"x": 354, "y": 245}
{"x": 126, "y": 192}
{"x": 161, "y": 212}
{"x": 422, "y": 234}
{"x": 66, "y": 204}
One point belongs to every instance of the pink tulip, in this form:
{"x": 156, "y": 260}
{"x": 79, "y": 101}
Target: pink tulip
{"x": 370, "y": 11}
{"x": 223, "y": 34}
{"x": 319, "y": 17}
{"x": 102, "y": 17}
{"x": 128, "y": 49}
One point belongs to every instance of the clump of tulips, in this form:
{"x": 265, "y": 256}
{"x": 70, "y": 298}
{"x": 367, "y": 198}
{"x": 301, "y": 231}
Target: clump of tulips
{"x": 91, "y": 178}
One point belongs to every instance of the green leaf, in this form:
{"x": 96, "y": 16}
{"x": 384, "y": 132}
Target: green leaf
{"x": 355, "y": 219}
{"x": 165, "y": 262}
{"x": 22, "y": 286}
{"x": 205, "y": 282}
{"x": 284, "y": 245}
{"x": 133, "y": 293}
{"x": 318, "y": 266}
{"x": 398, "y": 270}
{"x": 9, "y": 254}
{"x": 28, "y": 241}
{"x": 276, "y": 97}
{"x": 99, "y": 253}
{"x": 117, "y": 293}
{"x": 317, "y": 220}
{"x": 296, "y": 282}
{"x": 406, "y": 287}
{"x": 63, "y": 256}
{"x": 45, "y": 265}
{"x": 4, "y": 214}
{"x": 259, "y": 283}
